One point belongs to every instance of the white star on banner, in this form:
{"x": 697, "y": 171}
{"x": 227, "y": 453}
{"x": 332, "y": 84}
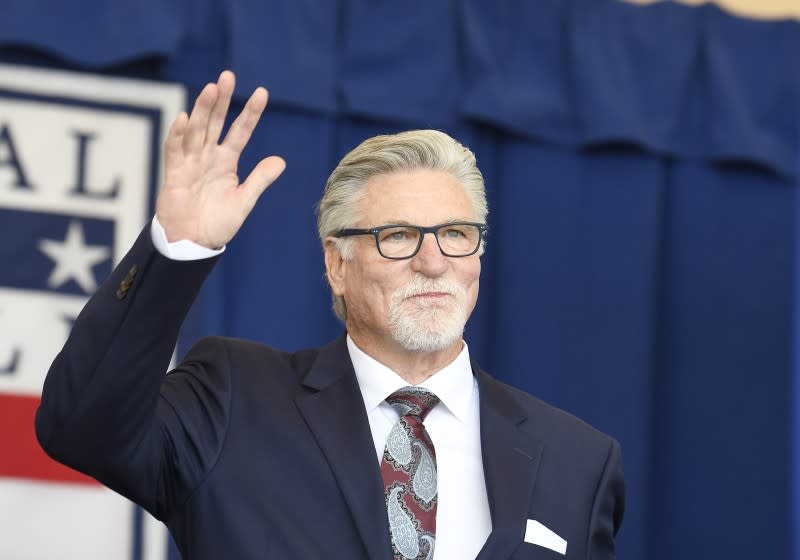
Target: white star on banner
{"x": 73, "y": 259}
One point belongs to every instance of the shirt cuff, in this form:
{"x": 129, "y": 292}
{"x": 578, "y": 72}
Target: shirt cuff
{"x": 183, "y": 250}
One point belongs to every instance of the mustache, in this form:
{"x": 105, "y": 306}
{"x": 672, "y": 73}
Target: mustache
{"x": 421, "y": 284}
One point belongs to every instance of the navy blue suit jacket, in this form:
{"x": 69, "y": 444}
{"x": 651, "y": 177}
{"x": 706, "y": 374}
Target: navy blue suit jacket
{"x": 248, "y": 452}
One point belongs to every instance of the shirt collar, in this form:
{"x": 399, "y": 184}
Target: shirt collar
{"x": 453, "y": 384}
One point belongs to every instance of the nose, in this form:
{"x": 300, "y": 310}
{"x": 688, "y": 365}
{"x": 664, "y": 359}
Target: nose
{"x": 429, "y": 260}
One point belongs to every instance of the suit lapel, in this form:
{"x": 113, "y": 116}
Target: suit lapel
{"x": 334, "y": 411}
{"x": 510, "y": 462}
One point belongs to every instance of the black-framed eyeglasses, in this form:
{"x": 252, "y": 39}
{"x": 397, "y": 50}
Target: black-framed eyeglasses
{"x": 397, "y": 241}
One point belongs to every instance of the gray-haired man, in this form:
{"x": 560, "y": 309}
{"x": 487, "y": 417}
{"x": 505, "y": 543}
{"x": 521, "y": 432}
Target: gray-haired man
{"x": 387, "y": 443}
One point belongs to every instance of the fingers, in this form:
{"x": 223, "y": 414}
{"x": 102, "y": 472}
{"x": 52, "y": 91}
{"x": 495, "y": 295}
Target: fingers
{"x": 198, "y": 121}
{"x": 242, "y": 128}
{"x": 264, "y": 174}
{"x": 207, "y": 119}
{"x": 173, "y": 146}
{"x": 225, "y": 86}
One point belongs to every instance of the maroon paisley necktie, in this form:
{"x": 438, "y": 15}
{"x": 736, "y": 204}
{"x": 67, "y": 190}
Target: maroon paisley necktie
{"x": 409, "y": 474}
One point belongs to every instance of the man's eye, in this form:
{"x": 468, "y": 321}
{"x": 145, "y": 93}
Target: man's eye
{"x": 453, "y": 233}
{"x": 397, "y": 235}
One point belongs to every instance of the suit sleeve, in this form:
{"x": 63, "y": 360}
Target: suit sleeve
{"x": 608, "y": 507}
{"x": 102, "y": 410}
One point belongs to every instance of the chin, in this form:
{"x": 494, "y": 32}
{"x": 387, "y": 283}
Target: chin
{"x": 426, "y": 342}
{"x": 427, "y": 332}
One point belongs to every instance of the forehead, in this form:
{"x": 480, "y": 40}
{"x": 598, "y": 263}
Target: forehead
{"x": 422, "y": 197}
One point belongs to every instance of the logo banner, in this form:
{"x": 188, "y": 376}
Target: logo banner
{"x": 80, "y": 164}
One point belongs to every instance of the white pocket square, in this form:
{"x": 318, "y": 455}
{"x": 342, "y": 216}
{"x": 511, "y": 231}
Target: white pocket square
{"x": 538, "y": 534}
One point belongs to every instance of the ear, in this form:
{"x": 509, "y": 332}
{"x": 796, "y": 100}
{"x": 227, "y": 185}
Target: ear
{"x": 335, "y": 266}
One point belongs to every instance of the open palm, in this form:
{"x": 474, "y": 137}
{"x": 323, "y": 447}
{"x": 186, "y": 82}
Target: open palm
{"x": 202, "y": 199}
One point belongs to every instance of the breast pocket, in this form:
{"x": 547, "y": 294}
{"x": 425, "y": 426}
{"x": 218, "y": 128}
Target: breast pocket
{"x": 528, "y": 551}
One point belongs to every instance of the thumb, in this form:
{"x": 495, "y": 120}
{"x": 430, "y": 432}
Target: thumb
{"x": 264, "y": 174}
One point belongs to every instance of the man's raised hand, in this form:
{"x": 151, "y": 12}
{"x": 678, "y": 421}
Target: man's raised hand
{"x": 201, "y": 199}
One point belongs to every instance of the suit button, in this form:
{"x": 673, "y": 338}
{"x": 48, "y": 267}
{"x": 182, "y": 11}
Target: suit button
{"x": 126, "y": 283}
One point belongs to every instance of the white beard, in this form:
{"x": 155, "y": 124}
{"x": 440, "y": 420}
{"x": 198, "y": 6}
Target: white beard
{"x": 428, "y": 326}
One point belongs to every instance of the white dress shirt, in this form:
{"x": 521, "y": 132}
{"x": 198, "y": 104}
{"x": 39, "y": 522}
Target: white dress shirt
{"x": 183, "y": 250}
{"x": 463, "y": 521}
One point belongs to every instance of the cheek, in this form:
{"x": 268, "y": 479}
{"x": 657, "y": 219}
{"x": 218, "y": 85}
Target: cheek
{"x": 472, "y": 283}
{"x": 371, "y": 290}
{"x": 473, "y": 275}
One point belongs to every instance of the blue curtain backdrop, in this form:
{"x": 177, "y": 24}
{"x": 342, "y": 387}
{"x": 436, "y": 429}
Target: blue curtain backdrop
{"x": 641, "y": 166}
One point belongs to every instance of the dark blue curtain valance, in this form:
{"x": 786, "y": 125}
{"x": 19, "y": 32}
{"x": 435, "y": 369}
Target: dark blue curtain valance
{"x": 696, "y": 83}
{"x": 92, "y": 33}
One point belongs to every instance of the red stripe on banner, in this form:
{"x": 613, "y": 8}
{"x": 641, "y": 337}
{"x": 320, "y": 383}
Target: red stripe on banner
{"x": 20, "y": 453}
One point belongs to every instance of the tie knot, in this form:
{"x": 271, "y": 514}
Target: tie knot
{"x": 413, "y": 401}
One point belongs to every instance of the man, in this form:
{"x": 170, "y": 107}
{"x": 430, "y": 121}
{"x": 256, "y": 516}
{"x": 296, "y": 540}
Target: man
{"x": 388, "y": 442}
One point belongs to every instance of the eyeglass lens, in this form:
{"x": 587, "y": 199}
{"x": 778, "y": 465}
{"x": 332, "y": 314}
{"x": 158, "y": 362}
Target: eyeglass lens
{"x": 455, "y": 240}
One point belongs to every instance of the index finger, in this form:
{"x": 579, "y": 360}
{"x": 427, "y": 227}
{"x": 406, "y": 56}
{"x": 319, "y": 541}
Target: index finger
{"x": 242, "y": 128}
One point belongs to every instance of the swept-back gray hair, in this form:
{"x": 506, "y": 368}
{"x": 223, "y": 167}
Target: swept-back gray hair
{"x": 340, "y": 206}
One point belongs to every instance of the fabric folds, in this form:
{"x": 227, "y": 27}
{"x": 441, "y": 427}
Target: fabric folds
{"x": 667, "y": 78}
